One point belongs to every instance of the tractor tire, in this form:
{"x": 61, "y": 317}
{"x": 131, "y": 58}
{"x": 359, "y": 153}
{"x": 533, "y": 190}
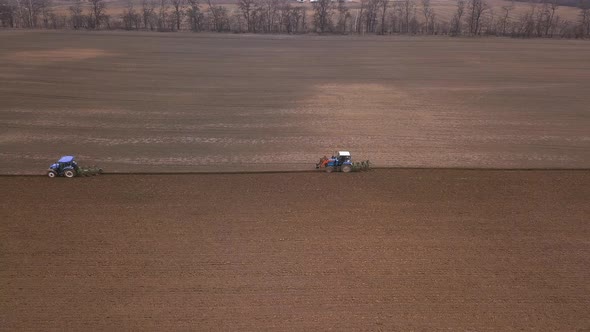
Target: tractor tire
{"x": 70, "y": 173}
{"x": 346, "y": 169}
{"x": 329, "y": 169}
{"x": 51, "y": 174}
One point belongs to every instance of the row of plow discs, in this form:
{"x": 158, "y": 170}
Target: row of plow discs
{"x": 361, "y": 166}
{"x": 89, "y": 170}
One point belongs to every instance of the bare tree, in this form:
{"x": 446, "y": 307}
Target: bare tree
{"x": 213, "y": 13}
{"x": 46, "y": 13}
{"x": 553, "y": 18}
{"x": 323, "y": 10}
{"x": 505, "y": 19}
{"x": 195, "y": 15}
{"x": 358, "y": 21}
{"x": 163, "y": 15}
{"x": 539, "y": 24}
{"x": 28, "y": 11}
{"x": 383, "y": 5}
{"x": 584, "y": 18}
{"x": 269, "y": 9}
{"x": 282, "y": 15}
{"x": 247, "y": 7}
{"x": 408, "y": 12}
{"x": 476, "y": 11}
{"x": 98, "y": 8}
{"x": 343, "y": 17}
{"x": 76, "y": 15}
{"x": 23, "y": 15}
{"x": 427, "y": 11}
{"x": 546, "y": 18}
{"x": 219, "y": 17}
{"x": 148, "y": 8}
{"x": 57, "y": 21}
{"x": 178, "y": 7}
{"x": 131, "y": 19}
{"x": 8, "y": 13}
{"x": 372, "y": 7}
{"x": 299, "y": 16}
{"x": 393, "y": 18}
{"x": 457, "y": 22}
{"x": 285, "y": 17}
{"x": 526, "y": 23}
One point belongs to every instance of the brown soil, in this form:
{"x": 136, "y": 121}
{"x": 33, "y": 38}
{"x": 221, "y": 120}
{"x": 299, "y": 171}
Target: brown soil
{"x": 201, "y": 102}
{"x": 384, "y": 250}
{"x": 65, "y": 54}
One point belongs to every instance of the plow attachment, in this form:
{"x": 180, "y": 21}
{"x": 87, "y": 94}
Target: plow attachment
{"x": 364, "y": 165}
{"x": 89, "y": 171}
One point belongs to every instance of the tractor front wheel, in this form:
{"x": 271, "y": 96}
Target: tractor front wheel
{"x": 346, "y": 168}
{"x": 51, "y": 174}
{"x": 70, "y": 173}
{"x": 329, "y": 169}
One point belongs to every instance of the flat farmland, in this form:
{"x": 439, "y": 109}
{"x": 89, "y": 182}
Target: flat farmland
{"x": 390, "y": 250}
{"x": 199, "y": 102}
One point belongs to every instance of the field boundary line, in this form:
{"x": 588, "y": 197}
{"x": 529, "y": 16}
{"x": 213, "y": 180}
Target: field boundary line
{"x": 486, "y": 169}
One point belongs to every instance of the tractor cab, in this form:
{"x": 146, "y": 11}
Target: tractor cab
{"x": 343, "y": 157}
{"x": 65, "y": 166}
{"x": 340, "y": 161}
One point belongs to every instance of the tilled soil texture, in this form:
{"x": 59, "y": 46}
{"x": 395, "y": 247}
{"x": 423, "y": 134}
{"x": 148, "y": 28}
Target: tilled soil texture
{"x": 197, "y": 102}
{"x": 384, "y": 250}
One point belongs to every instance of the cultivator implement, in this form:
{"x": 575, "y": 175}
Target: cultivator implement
{"x": 364, "y": 165}
{"x": 89, "y": 171}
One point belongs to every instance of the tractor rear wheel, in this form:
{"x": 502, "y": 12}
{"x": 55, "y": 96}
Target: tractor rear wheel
{"x": 346, "y": 168}
{"x": 70, "y": 173}
{"x": 329, "y": 169}
{"x": 51, "y": 174}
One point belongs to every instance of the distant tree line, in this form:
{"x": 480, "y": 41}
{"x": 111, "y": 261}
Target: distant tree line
{"x": 414, "y": 17}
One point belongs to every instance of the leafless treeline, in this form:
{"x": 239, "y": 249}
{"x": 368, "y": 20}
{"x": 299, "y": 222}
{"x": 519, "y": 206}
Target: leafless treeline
{"x": 471, "y": 17}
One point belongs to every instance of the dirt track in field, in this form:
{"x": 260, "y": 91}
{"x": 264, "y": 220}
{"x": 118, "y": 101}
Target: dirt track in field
{"x": 385, "y": 250}
{"x": 197, "y": 102}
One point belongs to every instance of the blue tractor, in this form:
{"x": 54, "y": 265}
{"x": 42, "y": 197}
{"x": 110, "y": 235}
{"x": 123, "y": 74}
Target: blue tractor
{"x": 65, "y": 166}
{"x": 340, "y": 162}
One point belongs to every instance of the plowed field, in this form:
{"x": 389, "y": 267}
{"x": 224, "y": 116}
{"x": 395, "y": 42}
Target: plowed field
{"x": 198, "y": 102}
{"x": 384, "y": 250}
